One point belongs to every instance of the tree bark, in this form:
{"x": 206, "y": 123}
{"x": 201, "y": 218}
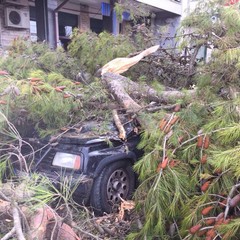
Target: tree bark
{"x": 114, "y": 83}
{"x": 125, "y": 91}
{"x": 122, "y": 132}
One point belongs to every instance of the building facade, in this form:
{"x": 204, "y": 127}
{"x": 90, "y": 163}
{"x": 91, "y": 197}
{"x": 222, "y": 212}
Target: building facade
{"x": 54, "y": 20}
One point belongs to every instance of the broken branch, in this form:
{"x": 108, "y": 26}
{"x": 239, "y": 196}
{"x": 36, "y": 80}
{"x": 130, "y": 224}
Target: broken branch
{"x": 234, "y": 188}
{"x": 124, "y": 90}
{"x": 122, "y": 132}
{"x": 17, "y": 221}
{"x": 9, "y": 234}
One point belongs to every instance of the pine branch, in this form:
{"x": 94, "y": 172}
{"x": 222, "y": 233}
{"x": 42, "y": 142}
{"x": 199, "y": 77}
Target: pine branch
{"x": 230, "y": 195}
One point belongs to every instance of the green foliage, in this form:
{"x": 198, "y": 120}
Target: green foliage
{"x": 24, "y": 56}
{"x": 35, "y": 73}
{"x": 211, "y": 114}
{"x": 221, "y": 26}
{"x": 170, "y": 197}
{"x": 119, "y": 9}
{"x": 10, "y": 138}
{"x": 226, "y": 115}
{"x": 229, "y": 135}
{"x": 231, "y": 18}
{"x": 135, "y": 9}
{"x": 173, "y": 194}
{"x": 51, "y": 115}
{"x": 193, "y": 117}
{"x": 228, "y": 160}
{"x": 231, "y": 230}
{"x": 39, "y": 104}
{"x": 166, "y": 192}
{"x": 17, "y": 66}
{"x": 214, "y": 112}
{"x": 45, "y": 192}
{"x": 5, "y": 167}
{"x": 94, "y": 51}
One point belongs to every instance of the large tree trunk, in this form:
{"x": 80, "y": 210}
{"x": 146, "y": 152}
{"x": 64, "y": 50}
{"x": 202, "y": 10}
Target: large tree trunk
{"x": 126, "y": 92}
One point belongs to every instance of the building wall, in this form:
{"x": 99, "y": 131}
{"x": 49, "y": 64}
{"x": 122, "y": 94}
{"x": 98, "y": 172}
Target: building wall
{"x": 8, "y": 34}
{"x": 84, "y": 12}
{"x": 84, "y": 18}
{"x": 167, "y": 27}
{"x": 188, "y": 6}
{"x": 173, "y": 6}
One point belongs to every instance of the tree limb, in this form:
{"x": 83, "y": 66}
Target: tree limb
{"x": 9, "y": 234}
{"x": 230, "y": 195}
{"x": 122, "y": 132}
{"x": 17, "y": 222}
{"x": 192, "y": 60}
{"x": 124, "y": 90}
{"x": 114, "y": 84}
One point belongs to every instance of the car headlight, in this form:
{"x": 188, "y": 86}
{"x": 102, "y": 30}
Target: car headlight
{"x": 67, "y": 160}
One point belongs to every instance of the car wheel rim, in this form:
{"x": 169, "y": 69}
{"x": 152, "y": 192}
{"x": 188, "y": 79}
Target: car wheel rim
{"x": 117, "y": 186}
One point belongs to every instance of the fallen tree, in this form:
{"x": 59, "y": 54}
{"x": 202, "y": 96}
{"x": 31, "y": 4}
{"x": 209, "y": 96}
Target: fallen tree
{"x": 189, "y": 175}
{"x": 125, "y": 91}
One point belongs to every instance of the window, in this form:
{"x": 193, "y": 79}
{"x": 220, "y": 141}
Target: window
{"x": 66, "y": 23}
{"x": 96, "y": 25}
{"x": 33, "y": 24}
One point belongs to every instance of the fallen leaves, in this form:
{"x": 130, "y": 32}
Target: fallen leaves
{"x": 125, "y": 206}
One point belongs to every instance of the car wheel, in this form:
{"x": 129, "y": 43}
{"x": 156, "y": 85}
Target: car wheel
{"x": 116, "y": 181}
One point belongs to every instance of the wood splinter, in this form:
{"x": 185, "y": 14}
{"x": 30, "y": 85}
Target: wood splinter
{"x": 122, "y": 132}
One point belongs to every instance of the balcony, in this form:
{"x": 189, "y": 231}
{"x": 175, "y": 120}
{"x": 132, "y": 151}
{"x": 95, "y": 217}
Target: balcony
{"x": 173, "y": 6}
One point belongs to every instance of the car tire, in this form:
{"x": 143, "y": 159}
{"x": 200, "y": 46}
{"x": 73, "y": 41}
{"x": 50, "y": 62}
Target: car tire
{"x": 116, "y": 181}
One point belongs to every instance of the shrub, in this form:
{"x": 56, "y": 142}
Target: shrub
{"x": 93, "y": 51}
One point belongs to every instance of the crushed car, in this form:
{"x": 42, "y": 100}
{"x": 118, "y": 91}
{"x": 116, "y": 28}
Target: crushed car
{"x": 102, "y": 162}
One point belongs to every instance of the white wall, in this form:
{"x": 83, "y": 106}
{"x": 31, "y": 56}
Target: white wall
{"x": 188, "y": 6}
{"x": 167, "y": 5}
{"x": 185, "y": 7}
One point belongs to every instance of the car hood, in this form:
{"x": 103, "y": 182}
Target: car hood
{"x": 94, "y": 132}
{"x": 89, "y": 133}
